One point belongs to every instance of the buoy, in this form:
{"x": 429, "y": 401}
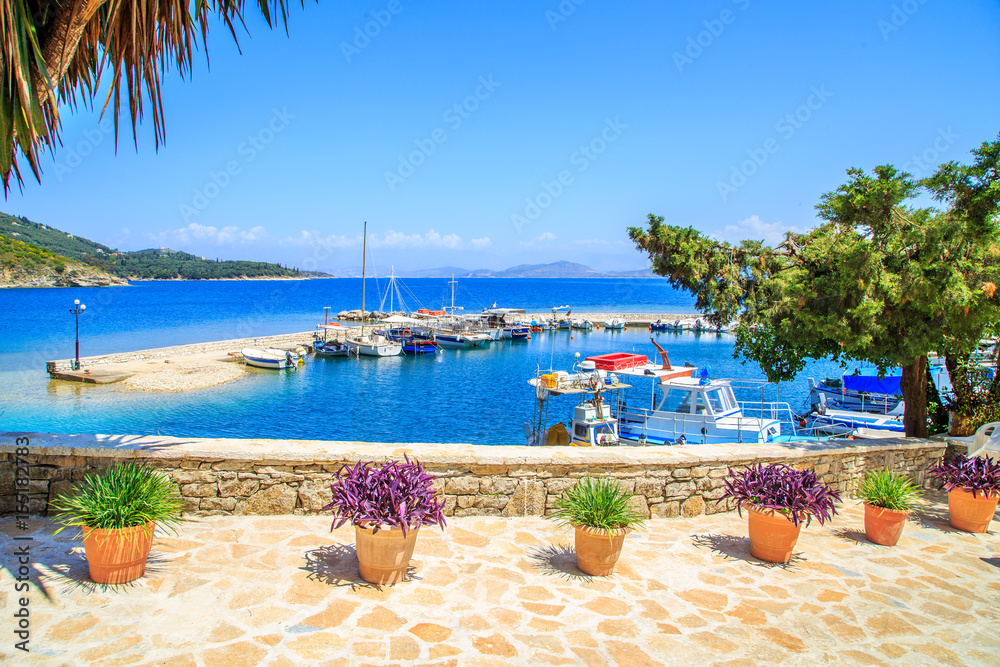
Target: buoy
{"x": 571, "y": 337}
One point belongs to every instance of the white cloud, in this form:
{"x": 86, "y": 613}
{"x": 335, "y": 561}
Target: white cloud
{"x": 196, "y": 234}
{"x": 544, "y": 237}
{"x": 230, "y": 235}
{"x": 431, "y": 239}
{"x": 755, "y": 229}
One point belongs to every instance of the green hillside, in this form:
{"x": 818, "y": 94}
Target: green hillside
{"x": 18, "y": 254}
{"x": 152, "y": 264}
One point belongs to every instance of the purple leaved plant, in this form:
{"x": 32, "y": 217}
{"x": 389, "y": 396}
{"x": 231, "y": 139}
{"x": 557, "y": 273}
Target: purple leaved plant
{"x": 798, "y": 494}
{"x": 393, "y": 495}
{"x": 975, "y": 474}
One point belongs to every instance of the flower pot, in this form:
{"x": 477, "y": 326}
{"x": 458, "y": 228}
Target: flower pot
{"x": 960, "y": 425}
{"x": 884, "y": 526}
{"x": 118, "y": 555}
{"x": 384, "y": 556}
{"x": 971, "y": 513}
{"x": 597, "y": 551}
{"x": 772, "y": 535}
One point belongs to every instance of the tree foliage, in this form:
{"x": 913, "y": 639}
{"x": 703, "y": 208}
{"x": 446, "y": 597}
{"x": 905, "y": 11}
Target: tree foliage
{"x": 879, "y": 280}
{"x": 55, "y": 52}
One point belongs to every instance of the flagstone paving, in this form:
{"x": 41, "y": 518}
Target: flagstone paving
{"x": 232, "y": 591}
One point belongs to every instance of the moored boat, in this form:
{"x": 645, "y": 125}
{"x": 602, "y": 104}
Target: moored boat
{"x": 269, "y": 357}
{"x": 615, "y": 324}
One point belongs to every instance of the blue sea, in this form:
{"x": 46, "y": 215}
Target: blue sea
{"x": 477, "y": 396}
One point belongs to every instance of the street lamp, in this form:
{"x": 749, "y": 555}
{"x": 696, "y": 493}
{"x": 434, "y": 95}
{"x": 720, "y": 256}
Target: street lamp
{"x": 76, "y": 311}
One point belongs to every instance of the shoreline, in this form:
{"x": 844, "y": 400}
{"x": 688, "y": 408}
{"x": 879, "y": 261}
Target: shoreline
{"x": 193, "y": 366}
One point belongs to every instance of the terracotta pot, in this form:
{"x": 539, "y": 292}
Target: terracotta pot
{"x": 384, "y": 556}
{"x": 961, "y": 426}
{"x": 971, "y": 513}
{"x": 772, "y": 535}
{"x": 884, "y": 526}
{"x": 597, "y": 551}
{"x": 117, "y": 556}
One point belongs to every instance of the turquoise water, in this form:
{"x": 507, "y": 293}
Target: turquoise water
{"x": 478, "y": 396}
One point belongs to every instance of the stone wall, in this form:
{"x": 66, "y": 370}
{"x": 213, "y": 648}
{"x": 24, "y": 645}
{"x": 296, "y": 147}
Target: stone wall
{"x": 293, "y": 477}
{"x": 177, "y": 351}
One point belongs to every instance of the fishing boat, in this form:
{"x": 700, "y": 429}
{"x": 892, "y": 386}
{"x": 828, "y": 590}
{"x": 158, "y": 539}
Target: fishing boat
{"x": 592, "y": 423}
{"x": 615, "y": 324}
{"x": 863, "y": 393}
{"x": 581, "y": 324}
{"x": 660, "y": 325}
{"x": 459, "y": 339}
{"x": 324, "y": 347}
{"x": 414, "y": 342}
{"x": 368, "y": 343}
{"x": 330, "y": 348}
{"x": 517, "y": 332}
{"x": 269, "y": 357}
{"x": 686, "y": 406}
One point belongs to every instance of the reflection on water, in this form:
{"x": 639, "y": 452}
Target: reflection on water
{"x": 475, "y": 396}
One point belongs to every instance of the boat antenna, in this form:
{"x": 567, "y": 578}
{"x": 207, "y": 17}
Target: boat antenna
{"x": 364, "y": 257}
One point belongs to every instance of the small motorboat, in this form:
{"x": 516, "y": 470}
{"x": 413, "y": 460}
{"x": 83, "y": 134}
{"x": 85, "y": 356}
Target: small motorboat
{"x": 581, "y": 324}
{"x": 330, "y": 348}
{"x": 269, "y": 357}
{"x": 615, "y": 324}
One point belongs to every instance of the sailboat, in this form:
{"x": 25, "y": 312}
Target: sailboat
{"x": 458, "y": 335}
{"x": 369, "y": 343}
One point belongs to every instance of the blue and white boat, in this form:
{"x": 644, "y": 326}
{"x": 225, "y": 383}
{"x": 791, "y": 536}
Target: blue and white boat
{"x": 330, "y": 348}
{"x": 697, "y": 410}
{"x": 683, "y": 409}
{"x": 269, "y": 357}
{"x": 863, "y": 393}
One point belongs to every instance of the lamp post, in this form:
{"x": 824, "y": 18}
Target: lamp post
{"x": 79, "y": 308}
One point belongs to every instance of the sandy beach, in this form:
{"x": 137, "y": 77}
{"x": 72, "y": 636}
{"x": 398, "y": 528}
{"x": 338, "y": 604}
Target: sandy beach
{"x": 196, "y": 371}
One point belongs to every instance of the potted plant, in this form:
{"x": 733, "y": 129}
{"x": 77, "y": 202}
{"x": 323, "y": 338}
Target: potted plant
{"x": 778, "y": 499}
{"x": 973, "y": 486}
{"x": 117, "y": 511}
{"x": 598, "y": 510}
{"x": 888, "y": 498}
{"x": 387, "y": 505}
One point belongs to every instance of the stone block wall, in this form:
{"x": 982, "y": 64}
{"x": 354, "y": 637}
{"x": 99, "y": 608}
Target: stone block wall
{"x": 276, "y": 477}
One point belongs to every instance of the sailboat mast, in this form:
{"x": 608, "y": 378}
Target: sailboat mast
{"x": 364, "y": 257}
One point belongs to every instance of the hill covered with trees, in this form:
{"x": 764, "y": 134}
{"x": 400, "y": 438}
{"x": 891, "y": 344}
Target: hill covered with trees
{"x": 151, "y": 264}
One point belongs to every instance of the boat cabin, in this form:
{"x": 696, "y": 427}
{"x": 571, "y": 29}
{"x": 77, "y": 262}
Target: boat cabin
{"x": 592, "y": 426}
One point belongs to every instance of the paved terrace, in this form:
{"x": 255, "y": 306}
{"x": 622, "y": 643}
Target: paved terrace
{"x": 284, "y": 590}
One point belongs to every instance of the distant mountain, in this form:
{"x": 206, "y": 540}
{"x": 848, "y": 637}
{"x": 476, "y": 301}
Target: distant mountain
{"x": 149, "y": 264}
{"x": 553, "y": 270}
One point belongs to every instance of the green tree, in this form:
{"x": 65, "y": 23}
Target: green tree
{"x": 56, "y": 51}
{"x": 877, "y": 281}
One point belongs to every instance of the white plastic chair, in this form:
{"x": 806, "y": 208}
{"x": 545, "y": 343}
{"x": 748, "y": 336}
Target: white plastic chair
{"x": 986, "y": 441}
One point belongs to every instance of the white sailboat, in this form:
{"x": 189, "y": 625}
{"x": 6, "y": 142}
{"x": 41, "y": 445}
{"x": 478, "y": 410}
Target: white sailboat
{"x": 369, "y": 343}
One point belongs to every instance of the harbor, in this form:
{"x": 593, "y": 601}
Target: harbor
{"x": 206, "y": 364}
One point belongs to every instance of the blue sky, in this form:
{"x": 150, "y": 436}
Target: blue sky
{"x": 486, "y": 135}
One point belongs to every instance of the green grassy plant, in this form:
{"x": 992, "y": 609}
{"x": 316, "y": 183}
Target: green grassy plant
{"x": 888, "y": 490}
{"x": 127, "y": 495}
{"x": 600, "y": 504}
